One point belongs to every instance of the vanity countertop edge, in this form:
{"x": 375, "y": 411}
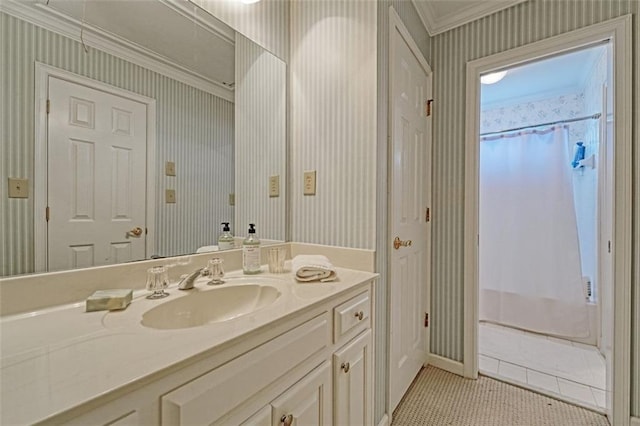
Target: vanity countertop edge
{"x": 52, "y": 363}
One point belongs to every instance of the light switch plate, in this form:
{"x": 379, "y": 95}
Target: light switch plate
{"x": 18, "y": 188}
{"x": 232, "y": 199}
{"x": 170, "y": 168}
{"x": 310, "y": 182}
{"x": 170, "y": 196}
{"x": 274, "y": 186}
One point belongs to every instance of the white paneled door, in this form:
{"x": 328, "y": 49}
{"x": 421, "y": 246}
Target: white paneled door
{"x": 410, "y": 127}
{"x": 96, "y": 177}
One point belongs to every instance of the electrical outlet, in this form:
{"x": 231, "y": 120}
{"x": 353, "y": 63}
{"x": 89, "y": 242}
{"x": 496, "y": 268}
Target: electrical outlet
{"x": 274, "y": 186}
{"x": 310, "y": 182}
{"x": 232, "y": 199}
{"x": 170, "y": 196}
{"x": 18, "y": 188}
{"x": 170, "y": 168}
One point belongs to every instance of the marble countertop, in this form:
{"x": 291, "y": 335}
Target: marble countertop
{"x": 59, "y": 358}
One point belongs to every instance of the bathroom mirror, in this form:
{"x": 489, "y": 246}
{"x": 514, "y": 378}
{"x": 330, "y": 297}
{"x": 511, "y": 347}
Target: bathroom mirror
{"x": 197, "y": 111}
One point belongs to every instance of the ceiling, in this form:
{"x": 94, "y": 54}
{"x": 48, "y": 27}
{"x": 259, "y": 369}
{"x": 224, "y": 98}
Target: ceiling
{"x": 561, "y": 74}
{"x": 439, "y": 16}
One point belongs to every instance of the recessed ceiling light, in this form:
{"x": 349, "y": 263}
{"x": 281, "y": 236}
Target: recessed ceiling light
{"x": 493, "y": 77}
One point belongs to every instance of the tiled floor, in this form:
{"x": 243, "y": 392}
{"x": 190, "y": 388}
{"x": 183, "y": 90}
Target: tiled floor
{"x": 556, "y": 367}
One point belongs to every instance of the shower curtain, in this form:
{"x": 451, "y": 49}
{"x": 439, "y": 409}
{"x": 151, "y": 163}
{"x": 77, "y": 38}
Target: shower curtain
{"x": 530, "y": 272}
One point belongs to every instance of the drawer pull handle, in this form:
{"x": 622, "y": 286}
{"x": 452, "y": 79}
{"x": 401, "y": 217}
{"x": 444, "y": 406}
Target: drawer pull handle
{"x": 286, "y": 419}
{"x": 359, "y": 315}
{"x": 345, "y": 366}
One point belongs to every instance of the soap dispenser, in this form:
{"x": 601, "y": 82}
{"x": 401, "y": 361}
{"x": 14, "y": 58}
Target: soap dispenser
{"x": 225, "y": 240}
{"x": 251, "y": 252}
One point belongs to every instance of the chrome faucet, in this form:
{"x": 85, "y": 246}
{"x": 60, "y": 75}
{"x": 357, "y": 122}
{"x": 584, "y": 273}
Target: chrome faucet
{"x": 188, "y": 281}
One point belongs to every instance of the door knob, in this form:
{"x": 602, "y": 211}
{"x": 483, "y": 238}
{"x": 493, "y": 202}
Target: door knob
{"x": 397, "y": 243}
{"x": 286, "y": 419}
{"x": 136, "y": 232}
{"x": 345, "y": 366}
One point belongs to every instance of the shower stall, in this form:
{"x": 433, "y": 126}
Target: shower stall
{"x": 532, "y": 275}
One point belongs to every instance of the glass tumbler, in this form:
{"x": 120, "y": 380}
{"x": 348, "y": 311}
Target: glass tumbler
{"x": 276, "y": 259}
{"x": 216, "y": 272}
{"x": 157, "y": 281}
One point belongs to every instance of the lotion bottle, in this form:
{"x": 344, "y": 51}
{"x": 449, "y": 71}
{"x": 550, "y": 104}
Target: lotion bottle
{"x": 251, "y": 252}
{"x": 225, "y": 240}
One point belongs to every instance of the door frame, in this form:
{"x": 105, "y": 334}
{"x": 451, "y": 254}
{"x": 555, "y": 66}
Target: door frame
{"x": 618, "y": 32}
{"x": 396, "y": 24}
{"x": 41, "y": 143}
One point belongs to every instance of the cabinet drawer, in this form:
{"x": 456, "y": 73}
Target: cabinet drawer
{"x": 354, "y": 314}
{"x": 211, "y": 396}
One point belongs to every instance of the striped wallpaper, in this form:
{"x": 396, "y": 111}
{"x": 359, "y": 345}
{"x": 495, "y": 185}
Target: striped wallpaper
{"x": 193, "y": 128}
{"x": 333, "y": 121}
{"x": 525, "y": 23}
{"x": 260, "y": 148}
{"x": 265, "y": 22}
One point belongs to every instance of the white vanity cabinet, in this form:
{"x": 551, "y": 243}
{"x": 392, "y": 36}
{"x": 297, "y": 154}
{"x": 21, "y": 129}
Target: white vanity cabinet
{"x": 314, "y": 367}
{"x": 352, "y": 382}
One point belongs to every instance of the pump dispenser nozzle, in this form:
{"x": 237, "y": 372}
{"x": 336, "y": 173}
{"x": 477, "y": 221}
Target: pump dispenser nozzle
{"x": 252, "y": 228}
{"x": 225, "y": 240}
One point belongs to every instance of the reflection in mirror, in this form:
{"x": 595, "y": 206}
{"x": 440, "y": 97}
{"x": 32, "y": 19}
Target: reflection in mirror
{"x": 139, "y": 126}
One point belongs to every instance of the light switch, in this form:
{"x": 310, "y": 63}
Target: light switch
{"x": 232, "y": 199}
{"x": 310, "y": 182}
{"x": 170, "y": 168}
{"x": 274, "y": 186}
{"x": 18, "y": 188}
{"x": 170, "y": 196}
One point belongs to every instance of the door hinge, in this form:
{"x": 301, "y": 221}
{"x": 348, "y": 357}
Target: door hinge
{"x": 146, "y": 231}
{"x": 426, "y": 319}
{"x": 427, "y": 215}
{"x": 48, "y": 106}
{"x": 427, "y": 107}
{"x": 46, "y": 213}
{"x": 609, "y": 246}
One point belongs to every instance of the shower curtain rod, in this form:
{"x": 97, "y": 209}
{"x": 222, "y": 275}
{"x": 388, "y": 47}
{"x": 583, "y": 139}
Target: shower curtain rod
{"x": 570, "y": 120}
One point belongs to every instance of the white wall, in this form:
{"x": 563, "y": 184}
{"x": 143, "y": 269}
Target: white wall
{"x": 260, "y": 140}
{"x": 333, "y": 121}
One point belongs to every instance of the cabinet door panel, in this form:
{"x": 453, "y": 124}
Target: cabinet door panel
{"x": 261, "y": 418}
{"x": 308, "y": 402}
{"x": 352, "y": 384}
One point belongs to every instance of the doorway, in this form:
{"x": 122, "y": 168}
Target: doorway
{"x": 616, "y": 32}
{"x": 543, "y": 218}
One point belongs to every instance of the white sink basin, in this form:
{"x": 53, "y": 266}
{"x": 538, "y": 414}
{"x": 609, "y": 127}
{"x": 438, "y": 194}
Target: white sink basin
{"x": 215, "y": 305}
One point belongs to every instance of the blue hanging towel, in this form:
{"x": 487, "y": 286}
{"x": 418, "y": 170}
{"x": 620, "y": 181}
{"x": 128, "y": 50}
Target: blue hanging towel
{"x": 579, "y": 154}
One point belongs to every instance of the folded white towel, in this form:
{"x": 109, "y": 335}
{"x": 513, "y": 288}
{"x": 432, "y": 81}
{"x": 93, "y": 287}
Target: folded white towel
{"x": 207, "y": 249}
{"x": 312, "y": 268}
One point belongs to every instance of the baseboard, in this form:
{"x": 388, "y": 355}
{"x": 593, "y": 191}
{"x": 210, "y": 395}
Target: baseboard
{"x": 635, "y": 421}
{"x": 446, "y": 364}
{"x": 384, "y": 421}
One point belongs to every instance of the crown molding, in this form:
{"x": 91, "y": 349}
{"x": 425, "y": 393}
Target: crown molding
{"x": 49, "y": 19}
{"x": 436, "y": 24}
